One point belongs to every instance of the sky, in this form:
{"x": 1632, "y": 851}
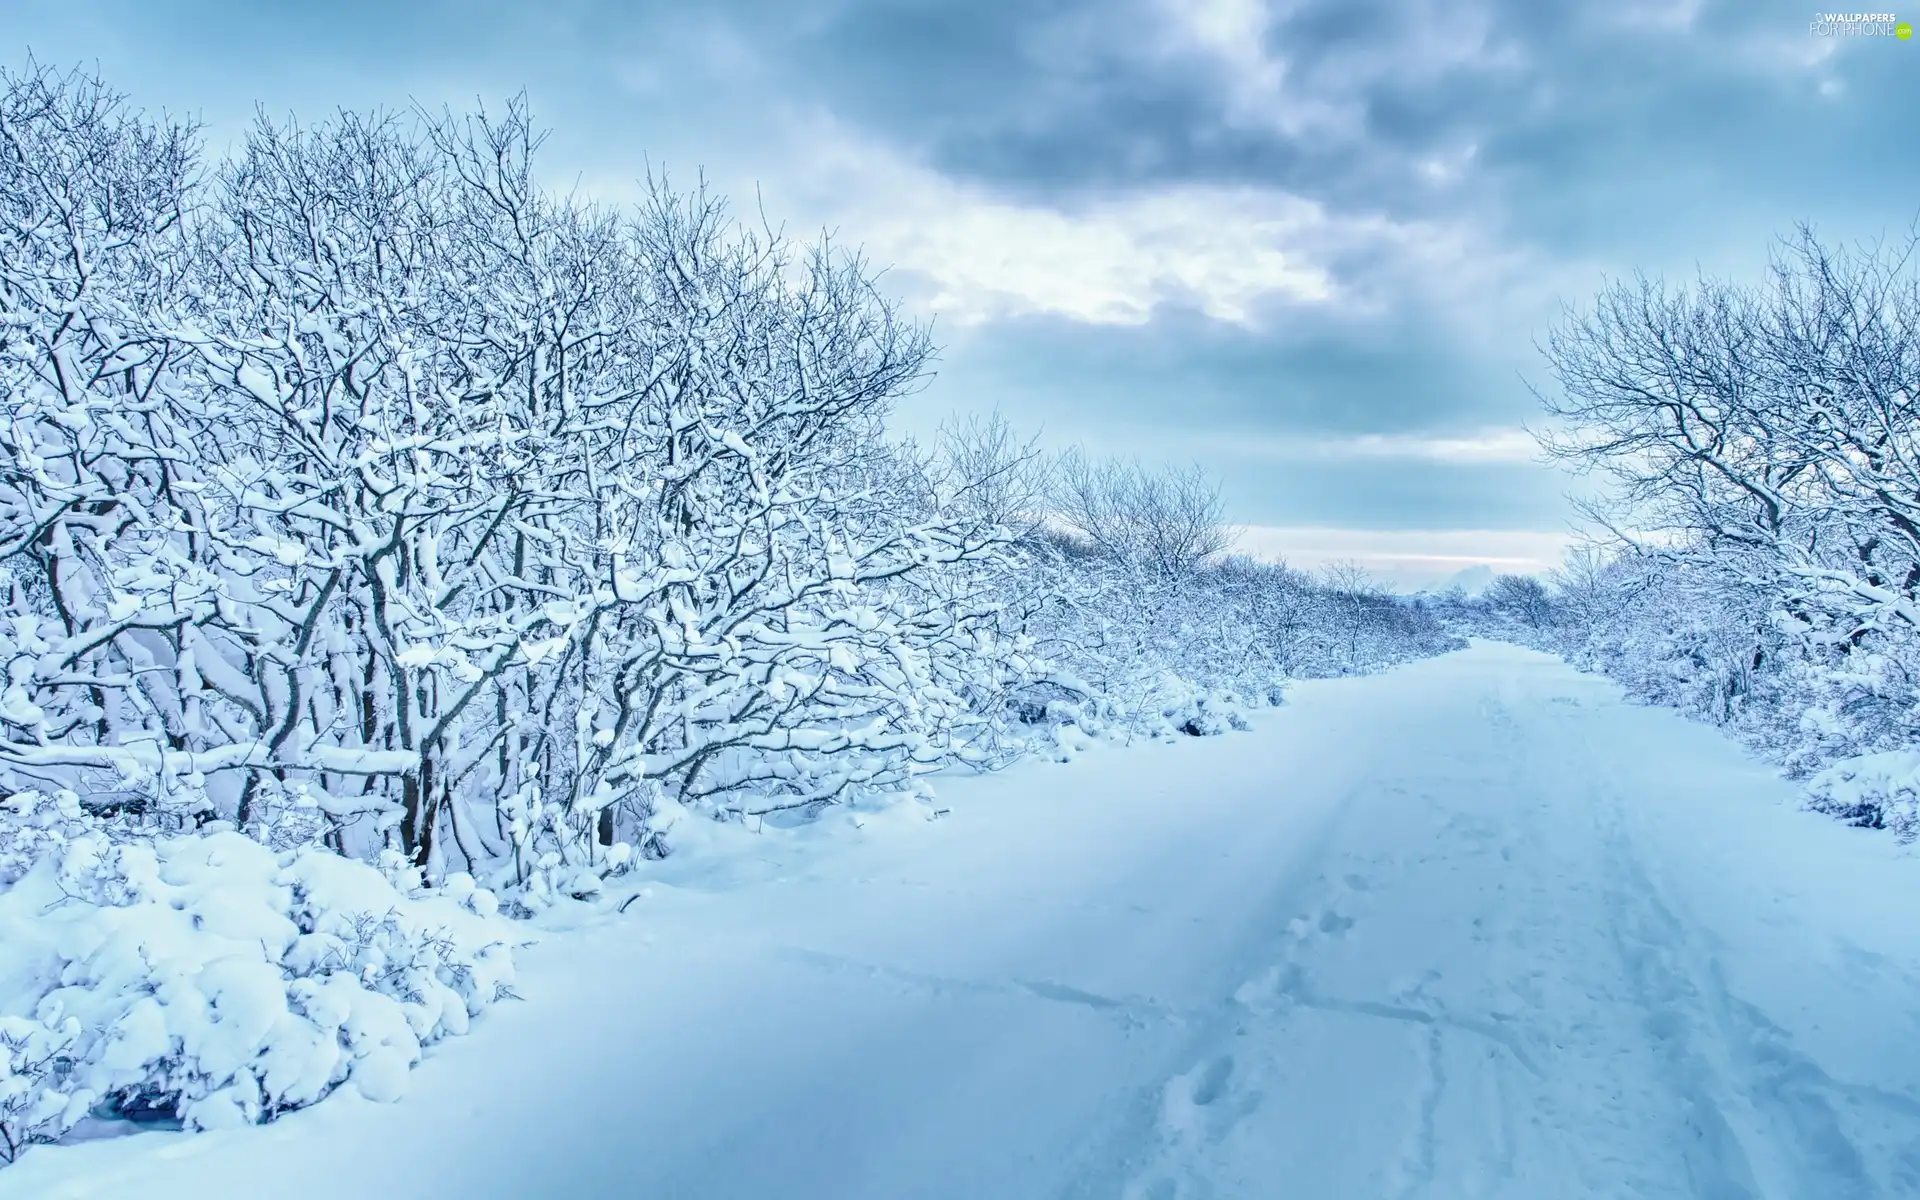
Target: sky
{"x": 1311, "y": 246}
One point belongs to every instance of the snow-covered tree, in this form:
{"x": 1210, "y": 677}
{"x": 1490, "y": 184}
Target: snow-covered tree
{"x": 1764, "y": 447}
{"x": 362, "y": 500}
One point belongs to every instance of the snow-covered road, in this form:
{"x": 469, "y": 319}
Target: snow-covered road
{"x": 1474, "y": 928}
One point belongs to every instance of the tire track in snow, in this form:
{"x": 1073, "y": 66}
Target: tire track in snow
{"x": 1146, "y": 1155}
{"x": 1419, "y": 1165}
{"x": 1132, "y": 1011}
{"x": 1596, "y": 1110}
{"x": 1735, "y": 1067}
{"x": 1644, "y": 939}
{"x": 1287, "y": 985}
{"x": 1181, "y": 1159}
{"x": 1688, "y": 1004}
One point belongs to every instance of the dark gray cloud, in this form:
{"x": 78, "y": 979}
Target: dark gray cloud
{"x": 1592, "y": 128}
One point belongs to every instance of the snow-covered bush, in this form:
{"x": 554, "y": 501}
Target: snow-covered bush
{"x": 1878, "y": 791}
{"x": 207, "y": 978}
{"x": 36, "y": 1103}
{"x": 383, "y": 501}
{"x": 371, "y": 517}
{"x": 364, "y": 495}
{"x": 1763, "y": 444}
{"x": 1154, "y": 628}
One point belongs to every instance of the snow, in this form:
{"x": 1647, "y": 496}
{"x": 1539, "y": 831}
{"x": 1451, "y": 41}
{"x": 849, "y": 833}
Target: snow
{"x": 1473, "y": 928}
{"x": 684, "y": 535}
{"x": 208, "y": 974}
{"x": 1879, "y": 791}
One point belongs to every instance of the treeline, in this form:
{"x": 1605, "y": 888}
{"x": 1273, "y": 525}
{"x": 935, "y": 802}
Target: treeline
{"x": 1757, "y": 558}
{"x": 359, "y": 492}
{"x": 388, "y": 542}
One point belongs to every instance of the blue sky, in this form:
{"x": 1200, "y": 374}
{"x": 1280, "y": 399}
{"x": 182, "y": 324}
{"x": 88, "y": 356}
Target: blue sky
{"x": 1309, "y": 245}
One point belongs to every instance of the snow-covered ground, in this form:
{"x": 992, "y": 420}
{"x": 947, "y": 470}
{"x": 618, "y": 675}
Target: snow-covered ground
{"x": 1474, "y": 928}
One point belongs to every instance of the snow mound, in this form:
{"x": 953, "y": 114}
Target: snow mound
{"x": 1876, "y": 791}
{"x": 1155, "y": 705}
{"x": 208, "y": 979}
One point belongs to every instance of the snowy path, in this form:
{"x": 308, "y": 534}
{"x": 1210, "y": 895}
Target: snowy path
{"x": 1471, "y": 929}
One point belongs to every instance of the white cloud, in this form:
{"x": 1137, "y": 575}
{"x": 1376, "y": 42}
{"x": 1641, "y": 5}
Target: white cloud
{"x": 1450, "y": 167}
{"x": 1240, "y": 254}
{"x": 1496, "y": 445}
{"x": 1511, "y": 445}
{"x": 1113, "y": 260}
{"x": 1234, "y": 253}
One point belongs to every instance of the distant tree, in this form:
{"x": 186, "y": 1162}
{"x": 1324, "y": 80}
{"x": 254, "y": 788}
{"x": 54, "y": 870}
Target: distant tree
{"x": 1351, "y": 596}
{"x": 1169, "y": 524}
{"x": 1521, "y": 598}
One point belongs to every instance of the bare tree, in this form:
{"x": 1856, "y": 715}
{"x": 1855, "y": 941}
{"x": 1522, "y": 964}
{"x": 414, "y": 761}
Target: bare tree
{"x": 1764, "y": 444}
{"x": 1169, "y": 524}
{"x": 1350, "y": 596}
{"x": 1774, "y": 428}
{"x": 1521, "y": 598}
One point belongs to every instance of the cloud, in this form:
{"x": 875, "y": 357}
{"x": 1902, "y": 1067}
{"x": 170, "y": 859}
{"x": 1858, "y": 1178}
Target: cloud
{"x": 1498, "y": 445}
{"x": 1558, "y": 131}
{"x": 1409, "y": 557}
{"x": 1236, "y": 253}
{"x": 1656, "y": 16}
{"x": 1116, "y": 261}
{"x": 1310, "y": 242}
{"x": 1313, "y": 70}
{"x": 1113, "y": 259}
{"x": 1494, "y": 445}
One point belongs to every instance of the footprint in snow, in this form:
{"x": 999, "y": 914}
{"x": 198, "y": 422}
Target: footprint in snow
{"x": 1213, "y": 1080}
{"x": 1202, "y": 1105}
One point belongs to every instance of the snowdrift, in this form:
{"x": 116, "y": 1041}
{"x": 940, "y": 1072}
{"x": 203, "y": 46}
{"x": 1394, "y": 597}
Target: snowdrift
{"x": 1877, "y": 791}
{"x": 207, "y": 979}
